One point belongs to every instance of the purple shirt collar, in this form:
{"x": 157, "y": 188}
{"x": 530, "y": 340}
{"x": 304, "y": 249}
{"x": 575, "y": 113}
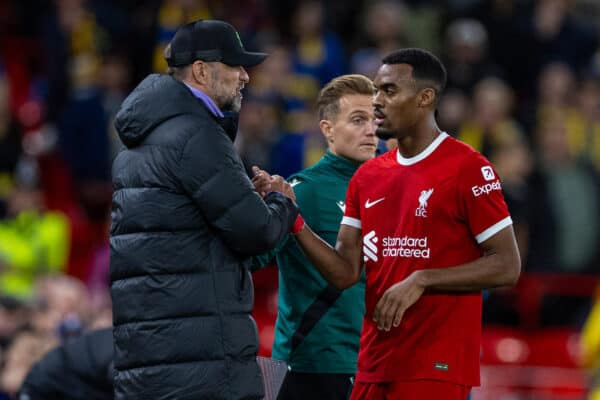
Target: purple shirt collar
{"x": 210, "y": 104}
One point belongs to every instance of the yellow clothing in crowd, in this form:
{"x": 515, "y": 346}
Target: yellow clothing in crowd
{"x": 31, "y": 245}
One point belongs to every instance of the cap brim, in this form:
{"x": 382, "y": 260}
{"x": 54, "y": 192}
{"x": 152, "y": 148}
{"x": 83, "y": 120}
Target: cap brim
{"x": 246, "y": 59}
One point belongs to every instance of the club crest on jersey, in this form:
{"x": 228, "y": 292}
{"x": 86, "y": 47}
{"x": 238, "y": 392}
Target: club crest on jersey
{"x": 421, "y": 211}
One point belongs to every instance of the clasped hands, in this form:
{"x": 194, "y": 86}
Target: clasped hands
{"x": 265, "y": 183}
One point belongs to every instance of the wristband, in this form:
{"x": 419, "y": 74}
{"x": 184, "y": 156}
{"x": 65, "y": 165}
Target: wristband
{"x": 298, "y": 224}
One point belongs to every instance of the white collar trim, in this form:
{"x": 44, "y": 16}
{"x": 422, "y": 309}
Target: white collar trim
{"x": 422, "y": 155}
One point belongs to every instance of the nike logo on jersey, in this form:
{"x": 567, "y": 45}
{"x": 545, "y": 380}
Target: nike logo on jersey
{"x": 341, "y": 205}
{"x": 294, "y": 182}
{"x": 369, "y": 204}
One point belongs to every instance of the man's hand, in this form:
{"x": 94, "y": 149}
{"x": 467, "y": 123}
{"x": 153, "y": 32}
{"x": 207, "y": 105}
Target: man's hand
{"x": 396, "y": 300}
{"x": 265, "y": 183}
{"x": 261, "y": 181}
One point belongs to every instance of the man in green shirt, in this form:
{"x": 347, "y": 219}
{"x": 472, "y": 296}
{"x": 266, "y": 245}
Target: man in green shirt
{"x": 318, "y": 327}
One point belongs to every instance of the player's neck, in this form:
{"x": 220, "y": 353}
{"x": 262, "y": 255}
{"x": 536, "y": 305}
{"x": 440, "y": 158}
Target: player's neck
{"x": 422, "y": 136}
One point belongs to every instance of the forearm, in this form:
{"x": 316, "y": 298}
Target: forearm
{"x": 335, "y": 268}
{"x": 487, "y": 272}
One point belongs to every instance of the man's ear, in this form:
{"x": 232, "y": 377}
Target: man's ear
{"x": 200, "y": 72}
{"x": 427, "y": 97}
{"x": 326, "y": 129}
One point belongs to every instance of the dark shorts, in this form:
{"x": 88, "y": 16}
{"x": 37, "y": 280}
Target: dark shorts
{"x": 305, "y": 386}
{"x": 409, "y": 390}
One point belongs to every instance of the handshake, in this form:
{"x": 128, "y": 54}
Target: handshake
{"x": 265, "y": 183}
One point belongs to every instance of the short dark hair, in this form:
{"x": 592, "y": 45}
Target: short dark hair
{"x": 426, "y": 66}
{"x": 328, "y": 102}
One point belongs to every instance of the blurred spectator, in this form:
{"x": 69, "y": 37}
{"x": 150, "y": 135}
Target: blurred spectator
{"x": 98, "y": 280}
{"x": 59, "y": 310}
{"x": 114, "y": 81}
{"x": 317, "y": 57}
{"x": 513, "y": 160}
{"x": 276, "y": 85}
{"x": 62, "y": 307}
{"x": 565, "y": 223}
{"x": 25, "y": 350}
{"x": 556, "y": 87}
{"x": 10, "y": 138}
{"x": 75, "y": 150}
{"x": 579, "y": 102}
{"x": 453, "y": 110}
{"x": 273, "y": 77}
{"x": 584, "y": 128}
{"x": 70, "y": 31}
{"x": 82, "y": 124}
{"x": 491, "y": 124}
{"x": 500, "y": 19}
{"x": 250, "y": 17}
{"x": 318, "y": 52}
{"x": 171, "y": 15}
{"x": 258, "y": 132}
{"x": 33, "y": 241}
{"x": 385, "y": 31}
{"x": 466, "y": 55}
{"x": 549, "y": 32}
{"x": 14, "y": 317}
{"x": 81, "y": 368}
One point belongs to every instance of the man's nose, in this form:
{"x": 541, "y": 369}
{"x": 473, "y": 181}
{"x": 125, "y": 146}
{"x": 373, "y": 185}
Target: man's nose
{"x": 377, "y": 100}
{"x": 371, "y": 127}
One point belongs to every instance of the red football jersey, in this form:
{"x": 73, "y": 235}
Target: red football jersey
{"x": 428, "y": 211}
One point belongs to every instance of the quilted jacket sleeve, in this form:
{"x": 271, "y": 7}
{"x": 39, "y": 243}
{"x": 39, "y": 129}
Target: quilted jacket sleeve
{"x": 212, "y": 173}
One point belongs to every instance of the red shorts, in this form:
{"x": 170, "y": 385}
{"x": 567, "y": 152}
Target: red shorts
{"x": 422, "y": 389}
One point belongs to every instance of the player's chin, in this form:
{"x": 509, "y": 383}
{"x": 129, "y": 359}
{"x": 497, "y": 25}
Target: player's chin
{"x": 367, "y": 151}
{"x": 384, "y": 133}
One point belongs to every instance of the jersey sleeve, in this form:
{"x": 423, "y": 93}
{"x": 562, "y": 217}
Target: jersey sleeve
{"x": 482, "y": 201}
{"x": 352, "y": 212}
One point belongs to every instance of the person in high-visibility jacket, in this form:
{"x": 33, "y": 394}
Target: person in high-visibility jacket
{"x": 33, "y": 242}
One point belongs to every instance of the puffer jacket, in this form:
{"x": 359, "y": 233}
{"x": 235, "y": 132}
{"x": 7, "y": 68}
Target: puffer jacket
{"x": 185, "y": 219}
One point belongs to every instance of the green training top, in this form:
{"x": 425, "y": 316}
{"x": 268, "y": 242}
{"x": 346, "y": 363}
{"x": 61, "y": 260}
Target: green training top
{"x": 331, "y": 345}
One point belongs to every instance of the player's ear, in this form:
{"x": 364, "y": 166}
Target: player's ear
{"x": 326, "y": 129}
{"x": 427, "y": 97}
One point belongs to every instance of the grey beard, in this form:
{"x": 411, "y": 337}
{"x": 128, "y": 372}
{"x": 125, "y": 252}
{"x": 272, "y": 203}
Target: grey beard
{"x": 234, "y": 104}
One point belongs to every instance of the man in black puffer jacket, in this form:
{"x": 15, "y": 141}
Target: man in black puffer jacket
{"x": 185, "y": 219}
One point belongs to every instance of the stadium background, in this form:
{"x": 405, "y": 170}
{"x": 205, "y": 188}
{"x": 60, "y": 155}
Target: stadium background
{"x": 524, "y": 88}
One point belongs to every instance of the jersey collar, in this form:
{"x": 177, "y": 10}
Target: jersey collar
{"x": 422, "y": 155}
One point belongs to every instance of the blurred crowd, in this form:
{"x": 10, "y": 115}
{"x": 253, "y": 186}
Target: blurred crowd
{"x": 524, "y": 89}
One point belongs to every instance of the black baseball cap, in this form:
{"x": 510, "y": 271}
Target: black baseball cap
{"x": 210, "y": 40}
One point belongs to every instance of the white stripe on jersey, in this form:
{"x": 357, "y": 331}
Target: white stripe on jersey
{"x": 492, "y": 230}
{"x": 352, "y": 222}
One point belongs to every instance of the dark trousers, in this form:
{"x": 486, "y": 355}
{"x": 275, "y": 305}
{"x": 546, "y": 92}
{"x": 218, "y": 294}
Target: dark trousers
{"x": 304, "y": 386}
